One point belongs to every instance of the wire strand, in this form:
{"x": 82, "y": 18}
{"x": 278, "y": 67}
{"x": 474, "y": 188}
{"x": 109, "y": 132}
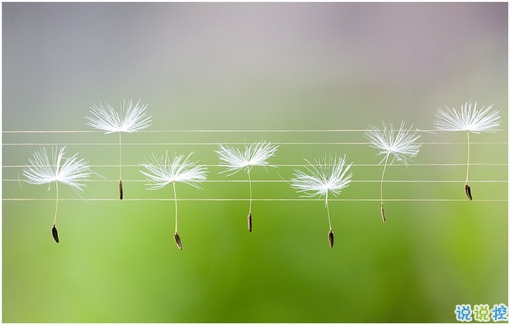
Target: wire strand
{"x": 259, "y": 200}
{"x": 85, "y": 144}
{"x": 304, "y": 165}
{"x": 432, "y": 131}
{"x": 286, "y": 181}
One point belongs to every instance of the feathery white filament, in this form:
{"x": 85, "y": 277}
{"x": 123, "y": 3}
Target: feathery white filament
{"x": 399, "y": 144}
{"x": 163, "y": 170}
{"x": 256, "y": 154}
{"x": 132, "y": 117}
{"x": 71, "y": 171}
{"x": 322, "y": 177}
{"x": 469, "y": 118}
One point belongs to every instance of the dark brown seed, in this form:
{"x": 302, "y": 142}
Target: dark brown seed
{"x": 250, "y": 225}
{"x": 468, "y": 191}
{"x": 383, "y": 215}
{"x": 331, "y": 238}
{"x": 54, "y": 233}
{"x": 178, "y": 240}
{"x": 120, "y": 190}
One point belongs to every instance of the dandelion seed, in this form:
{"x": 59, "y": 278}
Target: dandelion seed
{"x": 70, "y": 171}
{"x": 398, "y": 144}
{"x": 250, "y": 222}
{"x": 383, "y": 214}
{"x": 120, "y": 190}
{"x": 331, "y": 238}
{"x": 178, "y": 240}
{"x": 469, "y": 119}
{"x": 235, "y": 160}
{"x": 132, "y": 118}
{"x": 467, "y": 188}
{"x": 54, "y": 232}
{"x": 164, "y": 170}
{"x": 320, "y": 179}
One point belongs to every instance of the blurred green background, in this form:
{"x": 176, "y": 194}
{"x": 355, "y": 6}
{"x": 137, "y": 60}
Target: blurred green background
{"x": 254, "y": 66}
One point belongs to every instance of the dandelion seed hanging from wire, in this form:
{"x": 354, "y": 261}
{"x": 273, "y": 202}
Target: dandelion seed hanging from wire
{"x": 163, "y": 170}
{"x": 399, "y": 144}
{"x": 469, "y": 119}
{"x": 69, "y": 171}
{"x": 132, "y": 118}
{"x": 235, "y": 160}
{"x": 320, "y": 179}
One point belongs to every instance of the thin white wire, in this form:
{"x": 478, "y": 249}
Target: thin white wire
{"x": 114, "y": 143}
{"x": 222, "y": 131}
{"x": 229, "y": 143}
{"x": 259, "y": 200}
{"x": 195, "y": 131}
{"x": 284, "y": 181}
{"x": 303, "y": 165}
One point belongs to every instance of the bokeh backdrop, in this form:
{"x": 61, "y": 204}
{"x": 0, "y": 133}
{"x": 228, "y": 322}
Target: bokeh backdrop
{"x": 242, "y": 68}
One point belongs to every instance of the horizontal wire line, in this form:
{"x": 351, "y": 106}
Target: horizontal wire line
{"x": 223, "y": 131}
{"x": 260, "y": 200}
{"x": 228, "y": 143}
{"x": 299, "y": 165}
{"x": 284, "y": 181}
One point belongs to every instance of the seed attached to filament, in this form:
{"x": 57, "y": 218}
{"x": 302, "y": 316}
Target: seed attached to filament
{"x": 468, "y": 191}
{"x": 178, "y": 240}
{"x": 250, "y": 224}
{"x": 331, "y": 238}
{"x": 120, "y": 190}
{"x": 383, "y": 214}
{"x": 54, "y": 233}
